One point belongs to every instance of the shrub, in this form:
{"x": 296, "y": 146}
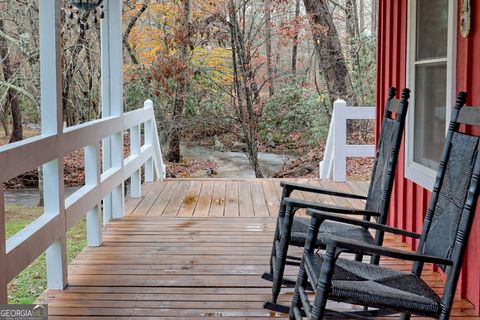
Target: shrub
{"x": 295, "y": 112}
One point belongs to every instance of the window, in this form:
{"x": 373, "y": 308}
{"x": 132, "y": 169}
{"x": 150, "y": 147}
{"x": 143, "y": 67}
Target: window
{"x": 430, "y": 76}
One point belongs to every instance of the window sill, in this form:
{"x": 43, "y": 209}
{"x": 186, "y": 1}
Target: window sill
{"x": 419, "y": 174}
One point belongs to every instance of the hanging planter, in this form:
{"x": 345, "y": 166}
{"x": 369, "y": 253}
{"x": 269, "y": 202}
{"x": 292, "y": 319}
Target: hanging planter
{"x": 93, "y": 7}
{"x": 86, "y": 4}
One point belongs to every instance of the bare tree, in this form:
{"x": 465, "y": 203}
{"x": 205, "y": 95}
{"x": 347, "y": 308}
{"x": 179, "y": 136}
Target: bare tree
{"x": 12, "y": 98}
{"x": 183, "y": 42}
{"x": 295, "y": 40}
{"x": 352, "y": 18}
{"x": 247, "y": 103}
{"x": 329, "y": 50}
{"x": 268, "y": 43}
{"x": 128, "y": 31}
{"x": 374, "y": 17}
{"x": 361, "y": 14}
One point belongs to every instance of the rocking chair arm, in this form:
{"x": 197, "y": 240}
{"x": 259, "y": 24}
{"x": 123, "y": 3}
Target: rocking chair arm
{"x": 361, "y": 247}
{"x": 302, "y": 204}
{"x": 306, "y": 188}
{"x": 322, "y": 215}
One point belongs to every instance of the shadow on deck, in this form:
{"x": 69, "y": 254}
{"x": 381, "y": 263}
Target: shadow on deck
{"x": 192, "y": 249}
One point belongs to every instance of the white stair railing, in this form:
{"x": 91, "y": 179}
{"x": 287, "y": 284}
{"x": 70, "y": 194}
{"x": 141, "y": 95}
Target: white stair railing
{"x": 334, "y": 164}
{"x": 23, "y": 248}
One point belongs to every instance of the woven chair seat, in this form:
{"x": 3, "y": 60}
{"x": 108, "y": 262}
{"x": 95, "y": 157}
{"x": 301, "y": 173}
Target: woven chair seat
{"x": 300, "y": 228}
{"x": 367, "y": 284}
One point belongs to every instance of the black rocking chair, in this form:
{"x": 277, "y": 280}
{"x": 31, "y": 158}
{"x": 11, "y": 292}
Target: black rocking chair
{"x": 291, "y": 230}
{"x": 443, "y": 241}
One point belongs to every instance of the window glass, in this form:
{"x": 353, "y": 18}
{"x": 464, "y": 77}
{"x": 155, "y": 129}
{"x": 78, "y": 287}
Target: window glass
{"x": 430, "y": 90}
{"x": 430, "y": 113}
{"x": 432, "y": 29}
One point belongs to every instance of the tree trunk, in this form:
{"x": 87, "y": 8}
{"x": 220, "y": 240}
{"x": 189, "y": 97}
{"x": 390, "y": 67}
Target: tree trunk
{"x": 352, "y": 18}
{"x": 41, "y": 194}
{"x": 246, "y": 89}
{"x": 361, "y": 15}
{"x": 181, "y": 89}
{"x": 374, "y": 17}
{"x": 12, "y": 98}
{"x": 70, "y": 65}
{"x": 268, "y": 42}
{"x": 295, "y": 41}
{"x": 4, "y": 120}
{"x": 329, "y": 50}
{"x": 353, "y": 37}
{"x": 17, "y": 127}
{"x": 129, "y": 29}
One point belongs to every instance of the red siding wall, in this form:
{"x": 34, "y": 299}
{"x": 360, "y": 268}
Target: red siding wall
{"x": 409, "y": 201}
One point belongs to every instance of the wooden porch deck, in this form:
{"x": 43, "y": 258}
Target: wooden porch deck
{"x": 191, "y": 249}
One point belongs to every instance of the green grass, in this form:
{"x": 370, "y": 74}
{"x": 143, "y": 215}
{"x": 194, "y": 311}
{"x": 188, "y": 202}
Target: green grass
{"x": 29, "y": 284}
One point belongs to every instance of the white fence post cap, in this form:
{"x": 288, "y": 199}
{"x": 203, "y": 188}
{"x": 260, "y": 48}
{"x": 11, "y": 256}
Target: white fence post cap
{"x": 148, "y": 104}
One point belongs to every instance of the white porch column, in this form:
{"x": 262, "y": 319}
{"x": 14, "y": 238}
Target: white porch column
{"x": 52, "y": 123}
{"x": 112, "y": 99}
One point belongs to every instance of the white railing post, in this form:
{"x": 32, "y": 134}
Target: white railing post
{"x": 135, "y": 149}
{"x": 327, "y": 162}
{"x": 52, "y": 123}
{"x": 334, "y": 163}
{"x": 3, "y": 252}
{"x": 149, "y": 170}
{"x": 340, "y": 141}
{"x": 153, "y": 169}
{"x": 92, "y": 179}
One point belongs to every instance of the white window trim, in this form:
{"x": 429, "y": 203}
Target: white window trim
{"x": 414, "y": 171}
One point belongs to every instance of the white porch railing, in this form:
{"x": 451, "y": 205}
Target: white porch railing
{"x": 22, "y": 249}
{"x": 334, "y": 164}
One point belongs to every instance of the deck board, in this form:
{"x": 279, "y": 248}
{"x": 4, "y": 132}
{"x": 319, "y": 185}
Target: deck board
{"x": 245, "y": 200}
{"x": 231, "y": 199}
{"x": 217, "y": 208}
{"x": 190, "y": 200}
{"x": 171, "y": 258}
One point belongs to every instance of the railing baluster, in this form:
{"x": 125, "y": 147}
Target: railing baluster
{"x": 135, "y": 148}
{"x": 92, "y": 179}
{"x": 118, "y": 196}
{"x": 54, "y": 204}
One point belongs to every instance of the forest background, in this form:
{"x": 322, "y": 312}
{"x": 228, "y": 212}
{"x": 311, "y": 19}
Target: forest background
{"x": 248, "y": 75}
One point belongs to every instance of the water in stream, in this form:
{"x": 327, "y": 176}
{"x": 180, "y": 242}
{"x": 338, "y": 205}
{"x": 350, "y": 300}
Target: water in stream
{"x": 29, "y": 197}
{"x": 230, "y": 165}
{"x": 235, "y": 164}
